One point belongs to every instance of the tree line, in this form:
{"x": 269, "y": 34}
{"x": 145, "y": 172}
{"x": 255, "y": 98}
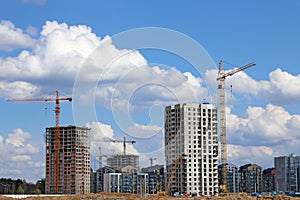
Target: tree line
{"x": 20, "y": 186}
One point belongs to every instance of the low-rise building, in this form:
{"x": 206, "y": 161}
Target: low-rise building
{"x": 233, "y": 177}
{"x": 251, "y": 178}
{"x": 136, "y": 183}
{"x": 268, "y": 180}
{"x": 287, "y": 173}
{"x": 156, "y": 178}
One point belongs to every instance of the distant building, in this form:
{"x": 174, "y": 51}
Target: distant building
{"x": 156, "y": 178}
{"x": 136, "y": 183}
{"x": 100, "y": 177}
{"x": 233, "y": 177}
{"x": 129, "y": 169}
{"x": 93, "y": 181}
{"x": 251, "y": 178}
{"x": 287, "y": 173}
{"x": 268, "y": 180}
{"x": 73, "y": 176}
{"x": 120, "y": 161}
{"x": 191, "y": 142}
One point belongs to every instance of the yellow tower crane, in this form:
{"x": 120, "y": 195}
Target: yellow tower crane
{"x": 221, "y": 87}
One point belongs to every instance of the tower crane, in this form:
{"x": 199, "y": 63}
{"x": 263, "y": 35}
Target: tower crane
{"x": 151, "y": 161}
{"x": 221, "y": 87}
{"x": 178, "y": 159}
{"x": 124, "y": 143}
{"x": 57, "y": 99}
{"x": 100, "y": 156}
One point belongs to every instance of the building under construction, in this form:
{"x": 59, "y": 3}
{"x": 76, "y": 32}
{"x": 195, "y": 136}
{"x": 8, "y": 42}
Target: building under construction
{"x": 70, "y": 174}
{"x": 120, "y": 161}
{"x": 191, "y": 149}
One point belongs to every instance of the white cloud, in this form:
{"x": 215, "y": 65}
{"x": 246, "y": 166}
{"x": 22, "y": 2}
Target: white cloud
{"x": 143, "y": 131}
{"x": 19, "y": 156}
{"x": 36, "y": 164}
{"x": 144, "y": 86}
{"x": 17, "y": 89}
{"x": 56, "y": 55}
{"x": 261, "y": 126}
{"x": 101, "y": 135}
{"x": 241, "y": 155}
{"x": 261, "y": 134}
{"x": 281, "y": 88}
{"x": 32, "y": 31}
{"x": 193, "y": 80}
{"x": 61, "y": 50}
{"x": 7, "y": 171}
{"x": 17, "y": 138}
{"x": 12, "y": 38}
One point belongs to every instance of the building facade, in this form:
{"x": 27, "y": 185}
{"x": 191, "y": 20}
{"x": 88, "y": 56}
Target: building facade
{"x": 233, "y": 177}
{"x": 156, "y": 178}
{"x": 268, "y": 180}
{"x": 191, "y": 149}
{"x": 287, "y": 173}
{"x": 251, "y": 178}
{"x": 136, "y": 183}
{"x": 73, "y": 176}
{"x": 120, "y": 161}
{"x": 100, "y": 177}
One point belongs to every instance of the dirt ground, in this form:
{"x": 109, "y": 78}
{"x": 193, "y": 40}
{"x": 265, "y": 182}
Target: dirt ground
{"x": 113, "y": 196}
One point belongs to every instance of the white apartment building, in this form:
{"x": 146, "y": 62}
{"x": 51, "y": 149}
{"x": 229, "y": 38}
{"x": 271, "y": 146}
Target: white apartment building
{"x": 191, "y": 139}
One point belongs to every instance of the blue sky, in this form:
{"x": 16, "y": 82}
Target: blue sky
{"x": 47, "y": 45}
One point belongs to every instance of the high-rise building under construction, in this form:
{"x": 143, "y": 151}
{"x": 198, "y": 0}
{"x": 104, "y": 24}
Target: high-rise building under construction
{"x": 191, "y": 148}
{"x": 120, "y": 161}
{"x": 73, "y": 174}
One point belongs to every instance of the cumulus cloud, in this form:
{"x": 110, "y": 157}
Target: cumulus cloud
{"x": 12, "y": 38}
{"x": 54, "y": 58}
{"x": 125, "y": 80}
{"x": 150, "y": 134}
{"x": 19, "y": 155}
{"x": 261, "y": 134}
{"x": 282, "y": 87}
{"x": 101, "y": 136}
{"x": 241, "y": 155}
{"x": 143, "y": 131}
{"x": 32, "y": 31}
{"x": 17, "y": 138}
{"x": 60, "y": 51}
{"x": 261, "y": 126}
{"x": 17, "y": 89}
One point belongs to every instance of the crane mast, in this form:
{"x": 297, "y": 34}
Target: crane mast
{"x": 151, "y": 161}
{"x": 57, "y": 100}
{"x": 124, "y": 143}
{"x": 178, "y": 159}
{"x": 221, "y": 87}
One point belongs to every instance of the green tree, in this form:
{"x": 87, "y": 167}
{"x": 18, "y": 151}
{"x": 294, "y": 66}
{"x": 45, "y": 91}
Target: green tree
{"x": 20, "y": 190}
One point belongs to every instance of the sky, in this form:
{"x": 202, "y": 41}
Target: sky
{"x": 122, "y": 62}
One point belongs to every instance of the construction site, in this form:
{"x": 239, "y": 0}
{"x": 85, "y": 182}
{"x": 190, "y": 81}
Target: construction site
{"x": 125, "y": 196}
{"x": 192, "y": 151}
